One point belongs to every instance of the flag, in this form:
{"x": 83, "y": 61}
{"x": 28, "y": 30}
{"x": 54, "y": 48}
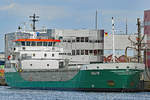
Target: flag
{"x": 106, "y": 34}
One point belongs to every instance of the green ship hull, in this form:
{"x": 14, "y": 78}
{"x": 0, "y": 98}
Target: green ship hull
{"x": 97, "y": 80}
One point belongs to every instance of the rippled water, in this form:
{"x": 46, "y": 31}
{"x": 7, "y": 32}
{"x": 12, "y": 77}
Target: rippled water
{"x": 7, "y": 93}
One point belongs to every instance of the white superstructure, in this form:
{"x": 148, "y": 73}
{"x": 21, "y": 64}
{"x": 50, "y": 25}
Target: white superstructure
{"x": 53, "y": 49}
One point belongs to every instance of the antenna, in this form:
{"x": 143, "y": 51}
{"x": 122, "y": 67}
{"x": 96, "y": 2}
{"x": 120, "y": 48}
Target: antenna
{"x": 139, "y": 39}
{"x": 126, "y": 26}
{"x": 96, "y": 20}
{"x": 34, "y": 20}
{"x": 24, "y": 26}
{"x": 113, "y": 33}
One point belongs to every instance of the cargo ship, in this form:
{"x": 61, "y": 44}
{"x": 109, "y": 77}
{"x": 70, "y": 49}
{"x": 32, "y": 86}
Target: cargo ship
{"x": 65, "y": 60}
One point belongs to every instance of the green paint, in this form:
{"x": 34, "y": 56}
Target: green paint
{"x": 84, "y": 79}
{"x": 1, "y": 66}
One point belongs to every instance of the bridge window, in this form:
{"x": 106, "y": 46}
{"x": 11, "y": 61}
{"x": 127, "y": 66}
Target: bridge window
{"x": 28, "y": 43}
{"x": 54, "y": 43}
{"x": 17, "y": 43}
{"x": 33, "y": 43}
{"x": 44, "y": 43}
{"x": 23, "y": 43}
{"x": 49, "y": 43}
{"x": 39, "y": 43}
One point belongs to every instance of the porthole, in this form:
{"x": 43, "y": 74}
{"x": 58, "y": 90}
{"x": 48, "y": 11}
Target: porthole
{"x": 34, "y": 54}
{"x": 45, "y": 55}
{"x": 23, "y": 48}
{"x": 128, "y": 67}
{"x": 30, "y": 64}
{"x": 117, "y": 66}
{"x": 52, "y": 55}
{"x": 47, "y": 64}
{"x": 97, "y": 67}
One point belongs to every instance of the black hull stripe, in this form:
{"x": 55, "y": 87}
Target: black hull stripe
{"x": 88, "y": 89}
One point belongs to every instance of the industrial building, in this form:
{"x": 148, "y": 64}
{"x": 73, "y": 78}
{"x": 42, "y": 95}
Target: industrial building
{"x": 121, "y": 42}
{"x": 147, "y": 32}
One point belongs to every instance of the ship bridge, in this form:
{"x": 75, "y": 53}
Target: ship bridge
{"x": 38, "y": 44}
{"x": 36, "y": 54}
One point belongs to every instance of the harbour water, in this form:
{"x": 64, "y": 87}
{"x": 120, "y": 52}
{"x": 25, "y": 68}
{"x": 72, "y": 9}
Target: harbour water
{"x": 7, "y": 93}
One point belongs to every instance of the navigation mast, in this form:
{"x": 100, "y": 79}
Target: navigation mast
{"x": 126, "y": 26}
{"x": 139, "y": 39}
{"x": 96, "y": 20}
{"x": 34, "y": 19}
{"x": 113, "y": 33}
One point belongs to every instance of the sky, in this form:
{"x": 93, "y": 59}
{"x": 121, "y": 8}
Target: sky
{"x": 71, "y": 14}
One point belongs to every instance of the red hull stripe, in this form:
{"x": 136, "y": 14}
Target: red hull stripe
{"x": 41, "y": 40}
